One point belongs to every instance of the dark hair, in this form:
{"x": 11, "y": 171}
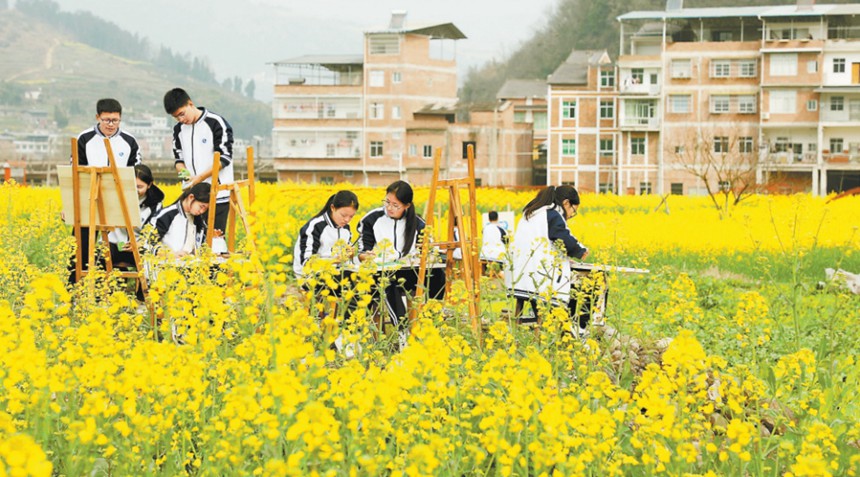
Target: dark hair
{"x": 493, "y": 215}
{"x": 144, "y": 173}
{"x": 108, "y": 105}
{"x": 343, "y": 198}
{"x": 403, "y": 191}
{"x": 175, "y": 99}
{"x": 552, "y": 195}
{"x": 199, "y": 191}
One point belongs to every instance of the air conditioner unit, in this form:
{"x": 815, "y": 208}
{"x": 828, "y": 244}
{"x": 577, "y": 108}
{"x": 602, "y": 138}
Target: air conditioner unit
{"x": 765, "y": 116}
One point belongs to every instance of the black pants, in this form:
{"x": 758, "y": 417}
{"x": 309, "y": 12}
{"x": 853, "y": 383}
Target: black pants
{"x": 222, "y": 211}
{"x": 397, "y": 294}
{"x": 582, "y": 311}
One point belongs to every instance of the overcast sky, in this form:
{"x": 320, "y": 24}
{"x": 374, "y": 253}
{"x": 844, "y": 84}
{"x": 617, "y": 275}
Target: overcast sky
{"x": 239, "y": 37}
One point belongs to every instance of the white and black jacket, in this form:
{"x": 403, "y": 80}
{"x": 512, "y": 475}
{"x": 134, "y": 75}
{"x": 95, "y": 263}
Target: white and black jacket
{"x": 536, "y": 267}
{"x": 150, "y": 206}
{"x": 317, "y": 237}
{"x": 195, "y": 146}
{"x": 376, "y": 226}
{"x": 493, "y": 243}
{"x": 92, "y": 151}
{"x": 171, "y": 224}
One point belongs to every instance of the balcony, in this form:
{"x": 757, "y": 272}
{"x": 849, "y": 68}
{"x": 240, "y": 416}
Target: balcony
{"x": 640, "y": 89}
{"x": 844, "y": 157}
{"x": 640, "y": 123}
{"x": 317, "y": 145}
{"x": 787, "y": 158}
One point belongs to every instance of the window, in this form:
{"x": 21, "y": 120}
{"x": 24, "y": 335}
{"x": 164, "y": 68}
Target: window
{"x": 679, "y": 149}
{"x": 568, "y": 109}
{"x": 638, "y": 75}
{"x": 783, "y": 101}
{"x": 375, "y": 148}
{"x": 413, "y": 150}
{"x": 395, "y": 112}
{"x": 839, "y": 65}
{"x": 519, "y": 116}
{"x": 677, "y": 188}
{"x": 637, "y": 146}
{"x": 781, "y": 144}
{"x": 348, "y": 173}
{"x": 747, "y": 68}
{"x": 837, "y": 103}
{"x": 783, "y": 64}
{"x": 745, "y": 144}
{"x": 812, "y": 105}
{"x": 721, "y": 144}
{"x": 539, "y": 121}
{"x": 607, "y": 147}
{"x": 812, "y": 148}
{"x": 607, "y": 79}
{"x": 329, "y": 150}
{"x": 384, "y": 45}
{"x": 377, "y": 111}
{"x": 377, "y": 79}
{"x": 607, "y": 109}
{"x": 681, "y": 69}
{"x": 428, "y": 151}
{"x": 836, "y": 145}
{"x": 720, "y": 104}
{"x": 725, "y": 186}
{"x": 396, "y": 77}
{"x": 812, "y": 66}
{"x": 679, "y": 103}
{"x": 644, "y": 188}
{"x": 327, "y": 180}
{"x": 746, "y": 104}
{"x": 466, "y": 145}
{"x": 568, "y": 147}
{"x": 605, "y": 188}
{"x": 721, "y": 68}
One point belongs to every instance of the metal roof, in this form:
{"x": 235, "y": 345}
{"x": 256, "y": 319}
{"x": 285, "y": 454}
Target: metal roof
{"x": 447, "y": 31}
{"x": 522, "y": 88}
{"x": 736, "y": 12}
{"x": 323, "y": 60}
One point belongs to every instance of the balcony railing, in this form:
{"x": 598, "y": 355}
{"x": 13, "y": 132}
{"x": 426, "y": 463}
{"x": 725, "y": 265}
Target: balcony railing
{"x": 640, "y": 122}
{"x": 842, "y": 158}
{"x": 792, "y": 158}
{"x": 642, "y": 89}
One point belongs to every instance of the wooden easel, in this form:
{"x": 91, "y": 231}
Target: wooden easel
{"x": 97, "y": 218}
{"x": 237, "y": 208}
{"x": 471, "y": 266}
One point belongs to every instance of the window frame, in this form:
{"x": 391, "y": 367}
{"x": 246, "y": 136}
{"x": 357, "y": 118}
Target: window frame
{"x": 377, "y": 149}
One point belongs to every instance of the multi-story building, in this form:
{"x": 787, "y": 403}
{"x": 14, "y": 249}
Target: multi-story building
{"x": 774, "y": 89}
{"x": 522, "y": 103}
{"x": 381, "y": 115}
{"x": 367, "y": 118}
{"x": 583, "y": 124}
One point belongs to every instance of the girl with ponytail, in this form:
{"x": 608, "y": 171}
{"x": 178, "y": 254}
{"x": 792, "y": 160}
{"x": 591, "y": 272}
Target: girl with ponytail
{"x": 330, "y": 225}
{"x": 539, "y": 269}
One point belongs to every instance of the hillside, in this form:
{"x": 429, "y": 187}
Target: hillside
{"x": 573, "y": 24}
{"x": 70, "y": 76}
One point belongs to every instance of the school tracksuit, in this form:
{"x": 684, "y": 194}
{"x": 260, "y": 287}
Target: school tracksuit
{"x": 375, "y": 227}
{"x": 92, "y": 153}
{"x": 171, "y": 223}
{"x": 535, "y": 267}
{"x": 317, "y": 237}
{"x": 195, "y": 146}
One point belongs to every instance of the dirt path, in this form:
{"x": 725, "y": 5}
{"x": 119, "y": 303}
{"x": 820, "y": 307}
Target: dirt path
{"x": 47, "y": 63}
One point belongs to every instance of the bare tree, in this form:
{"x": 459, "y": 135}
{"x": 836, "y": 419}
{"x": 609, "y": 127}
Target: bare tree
{"x": 724, "y": 159}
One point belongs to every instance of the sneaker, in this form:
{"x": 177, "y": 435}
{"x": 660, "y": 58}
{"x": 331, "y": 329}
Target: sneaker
{"x": 177, "y": 338}
{"x": 402, "y": 339}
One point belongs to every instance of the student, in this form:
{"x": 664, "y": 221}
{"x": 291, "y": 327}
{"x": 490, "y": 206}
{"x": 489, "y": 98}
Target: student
{"x": 91, "y": 147}
{"x": 330, "y": 225}
{"x": 92, "y": 152}
{"x": 534, "y": 268}
{"x": 397, "y": 223}
{"x": 494, "y": 239}
{"x": 181, "y": 226}
{"x": 197, "y": 136}
{"x": 150, "y": 198}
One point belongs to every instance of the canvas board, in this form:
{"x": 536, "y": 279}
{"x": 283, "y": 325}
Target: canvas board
{"x": 109, "y": 195}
